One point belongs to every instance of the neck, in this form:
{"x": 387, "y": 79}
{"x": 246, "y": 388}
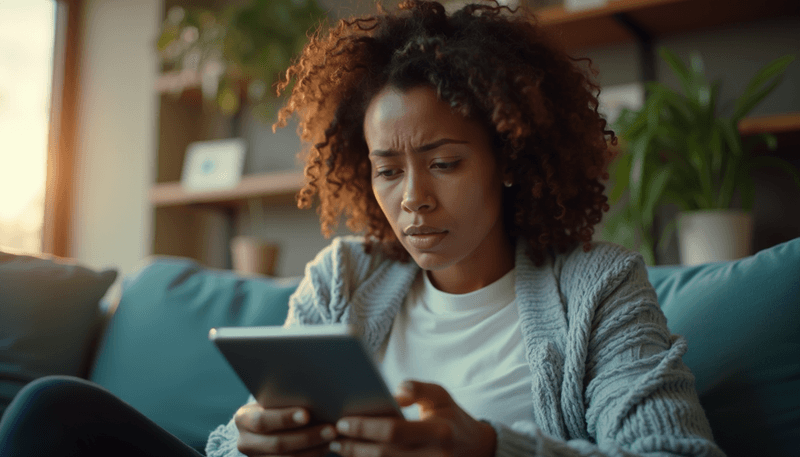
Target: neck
{"x": 490, "y": 262}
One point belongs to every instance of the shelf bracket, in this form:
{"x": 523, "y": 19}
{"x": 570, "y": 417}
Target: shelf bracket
{"x": 647, "y": 57}
{"x": 647, "y": 71}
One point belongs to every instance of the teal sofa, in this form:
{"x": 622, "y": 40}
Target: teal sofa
{"x": 741, "y": 320}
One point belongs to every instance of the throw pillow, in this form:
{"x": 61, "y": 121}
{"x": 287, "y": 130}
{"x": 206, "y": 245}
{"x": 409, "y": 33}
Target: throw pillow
{"x": 156, "y": 354}
{"x": 49, "y": 310}
{"x": 741, "y": 320}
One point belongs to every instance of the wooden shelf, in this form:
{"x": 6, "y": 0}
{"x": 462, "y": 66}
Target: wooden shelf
{"x": 785, "y": 127}
{"x": 779, "y": 123}
{"x": 598, "y": 26}
{"x": 276, "y": 188}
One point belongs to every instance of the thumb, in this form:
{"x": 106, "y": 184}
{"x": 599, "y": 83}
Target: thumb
{"x": 430, "y": 397}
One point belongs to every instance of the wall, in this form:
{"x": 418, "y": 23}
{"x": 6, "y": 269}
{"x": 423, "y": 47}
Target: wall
{"x": 116, "y": 134}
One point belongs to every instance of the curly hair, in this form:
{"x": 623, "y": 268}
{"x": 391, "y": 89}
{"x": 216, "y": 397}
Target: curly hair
{"x": 487, "y": 62}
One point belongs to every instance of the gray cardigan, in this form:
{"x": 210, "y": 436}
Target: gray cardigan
{"x": 607, "y": 377}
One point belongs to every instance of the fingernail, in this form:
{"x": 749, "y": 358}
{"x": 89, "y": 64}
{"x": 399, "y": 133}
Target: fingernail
{"x": 300, "y": 417}
{"x": 335, "y": 446}
{"x": 343, "y": 426}
{"x": 328, "y": 433}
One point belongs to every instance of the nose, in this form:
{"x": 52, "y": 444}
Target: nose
{"x": 417, "y": 197}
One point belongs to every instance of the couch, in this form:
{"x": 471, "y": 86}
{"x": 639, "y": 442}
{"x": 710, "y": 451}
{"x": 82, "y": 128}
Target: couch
{"x": 741, "y": 320}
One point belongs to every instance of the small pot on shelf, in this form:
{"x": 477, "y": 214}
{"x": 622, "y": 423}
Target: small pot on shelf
{"x": 714, "y": 236}
{"x": 253, "y": 256}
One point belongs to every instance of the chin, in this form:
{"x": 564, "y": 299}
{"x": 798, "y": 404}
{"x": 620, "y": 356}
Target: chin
{"x": 430, "y": 260}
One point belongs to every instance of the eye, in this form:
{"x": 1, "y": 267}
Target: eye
{"x": 446, "y": 165}
{"x": 386, "y": 172}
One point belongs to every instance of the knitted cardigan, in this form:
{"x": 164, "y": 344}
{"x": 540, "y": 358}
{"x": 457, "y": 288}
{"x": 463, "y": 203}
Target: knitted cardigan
{"x": 607, "y": 377}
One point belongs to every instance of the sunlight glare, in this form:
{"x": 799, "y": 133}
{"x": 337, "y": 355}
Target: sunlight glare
{"x": 27, "y": 30}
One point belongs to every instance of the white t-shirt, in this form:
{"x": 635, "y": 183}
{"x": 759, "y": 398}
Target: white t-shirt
{"x": 470, "y": 344}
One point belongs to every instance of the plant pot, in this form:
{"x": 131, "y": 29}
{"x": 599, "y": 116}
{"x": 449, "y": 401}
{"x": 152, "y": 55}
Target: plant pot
{"x": 253, "y": 256}
{"x": 714, "y": 236}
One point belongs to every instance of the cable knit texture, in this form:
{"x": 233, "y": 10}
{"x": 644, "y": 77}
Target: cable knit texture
{"x": 607, "y": 377}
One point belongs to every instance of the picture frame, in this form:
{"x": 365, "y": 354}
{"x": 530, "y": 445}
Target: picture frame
{"x": 213, "y": 165}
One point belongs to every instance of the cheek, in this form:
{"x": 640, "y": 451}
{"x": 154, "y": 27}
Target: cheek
{"x": 475, "y": 199}
{"x": 388, "y": 201}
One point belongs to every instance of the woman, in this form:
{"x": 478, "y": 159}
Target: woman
{"x": 470, "y": 151}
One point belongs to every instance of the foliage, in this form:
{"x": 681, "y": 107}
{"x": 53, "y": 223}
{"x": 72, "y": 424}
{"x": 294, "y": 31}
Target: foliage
{"x": 240, "y": 50}
{"x": 678, "y": 149}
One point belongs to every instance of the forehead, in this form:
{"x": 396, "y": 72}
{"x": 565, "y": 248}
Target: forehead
{"x": 416, "y": 111}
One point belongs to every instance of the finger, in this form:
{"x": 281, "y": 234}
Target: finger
{"x": 396, "y": 431}
{"x": 256, "y": 419}
{"x": 350, "y": 448}
{"x": 287, "y": 442}
{"x": 429, "y": 396}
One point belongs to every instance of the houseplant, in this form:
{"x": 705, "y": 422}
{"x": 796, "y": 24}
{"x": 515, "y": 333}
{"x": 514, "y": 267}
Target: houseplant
{"x": 237, "y": 53}
{"x": 679, "y": 148}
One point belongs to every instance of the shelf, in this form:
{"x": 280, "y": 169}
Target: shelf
{"x": 599, "y": 27}
{"x": 785, "y": 127}
{"x": 779, "y": 123}
{"x": 276, "y": 188}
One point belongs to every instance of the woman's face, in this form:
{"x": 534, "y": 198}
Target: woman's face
{"x": 436, "y": 180}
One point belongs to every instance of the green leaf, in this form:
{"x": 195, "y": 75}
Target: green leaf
{"x": 751, "y": 141}
{"x": 753, "y": 94}
{"x": 620, "y": 175}
{"x": 638, "y": 149}
{"x": 746, "y": 104}
{"x": 677, "y": 66}
{"x": 654, "y": 194}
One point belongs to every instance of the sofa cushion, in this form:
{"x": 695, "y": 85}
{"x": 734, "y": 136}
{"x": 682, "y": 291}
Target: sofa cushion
{"x": 156, "y": 354}
{"x": 49, "y": 311}
{"x": 741, "y": 320}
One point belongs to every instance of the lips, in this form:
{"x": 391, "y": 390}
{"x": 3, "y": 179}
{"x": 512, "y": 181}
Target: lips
{"x": 423, "y": 237}
{"x": 422, "y": 230}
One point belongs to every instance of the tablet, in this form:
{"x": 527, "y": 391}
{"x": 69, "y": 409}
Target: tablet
{"x": 324, "y": 368}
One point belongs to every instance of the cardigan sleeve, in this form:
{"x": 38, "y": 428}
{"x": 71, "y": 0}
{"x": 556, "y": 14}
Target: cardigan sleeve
{"x": 640, "y": 397}
{"x": 223, "y": 440}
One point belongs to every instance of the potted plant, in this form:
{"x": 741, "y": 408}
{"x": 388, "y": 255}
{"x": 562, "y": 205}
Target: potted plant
{"x": 679, "y": 149}
{"x": 237, "y": 53}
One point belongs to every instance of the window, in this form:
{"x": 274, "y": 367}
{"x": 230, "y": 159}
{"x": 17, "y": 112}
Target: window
{"x": 27, "y": 37}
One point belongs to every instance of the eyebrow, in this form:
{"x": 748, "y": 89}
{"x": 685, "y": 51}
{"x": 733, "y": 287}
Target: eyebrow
{"x": 420, "y": 149}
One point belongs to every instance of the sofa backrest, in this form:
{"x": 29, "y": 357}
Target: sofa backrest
{"x": 155, "y": 353}
{"x": 741, "y": 320}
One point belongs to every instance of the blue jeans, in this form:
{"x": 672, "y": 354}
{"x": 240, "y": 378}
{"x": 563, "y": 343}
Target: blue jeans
{"x": 68, "y": 416}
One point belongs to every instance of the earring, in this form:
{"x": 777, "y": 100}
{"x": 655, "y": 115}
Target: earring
{"x": 508, "y": 183}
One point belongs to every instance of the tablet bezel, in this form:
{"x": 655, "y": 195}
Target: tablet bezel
{"x": 350, "y": 385}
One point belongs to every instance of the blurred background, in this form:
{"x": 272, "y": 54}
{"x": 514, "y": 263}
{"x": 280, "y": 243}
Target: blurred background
{"x": 100, "y": 100}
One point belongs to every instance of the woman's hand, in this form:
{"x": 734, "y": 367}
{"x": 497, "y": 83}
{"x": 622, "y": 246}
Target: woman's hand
{"x": 265, "y": 432}
{"x": 444, "y": 429}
